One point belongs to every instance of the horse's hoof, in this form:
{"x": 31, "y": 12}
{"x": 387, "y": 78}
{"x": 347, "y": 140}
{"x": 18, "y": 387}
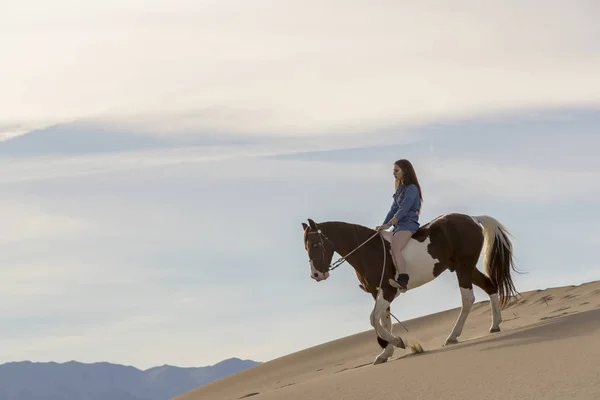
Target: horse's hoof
{"x": 398, "y": 342}
{"x": 379, "y": 360}
{"x": 494, "y": 330}
{"x": 450, "y": 341}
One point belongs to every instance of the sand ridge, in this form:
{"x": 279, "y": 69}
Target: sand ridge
{"x": 549, "y": 348}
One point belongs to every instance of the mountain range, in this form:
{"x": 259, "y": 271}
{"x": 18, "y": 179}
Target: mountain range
{"x": 74, "y": 380}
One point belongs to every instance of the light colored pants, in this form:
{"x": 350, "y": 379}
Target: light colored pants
{"x": 399, "y": 241}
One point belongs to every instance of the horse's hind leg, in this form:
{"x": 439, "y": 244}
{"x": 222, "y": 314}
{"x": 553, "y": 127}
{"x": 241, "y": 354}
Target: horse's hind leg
{"x": 485, "y": 283}
{"x": 388, "y": 349}
{"x": 463, "y": 273}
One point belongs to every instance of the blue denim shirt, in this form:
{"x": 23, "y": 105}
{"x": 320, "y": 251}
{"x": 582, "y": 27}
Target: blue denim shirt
{"x": 405, "y": 207}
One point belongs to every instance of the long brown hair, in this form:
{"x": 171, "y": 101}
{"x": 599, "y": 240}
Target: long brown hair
{"x": 409, "y": 175}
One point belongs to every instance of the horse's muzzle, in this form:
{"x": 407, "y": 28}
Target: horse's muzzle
{"x": 319, "y": 276}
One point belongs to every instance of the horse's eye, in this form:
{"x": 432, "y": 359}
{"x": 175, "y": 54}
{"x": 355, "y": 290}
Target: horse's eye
{"x": 315, "y": 244}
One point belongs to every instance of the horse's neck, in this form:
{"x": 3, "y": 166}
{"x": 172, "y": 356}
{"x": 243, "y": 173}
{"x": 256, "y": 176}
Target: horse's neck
{"x": 344, "y": 239}
{"x": 339, "y": 236}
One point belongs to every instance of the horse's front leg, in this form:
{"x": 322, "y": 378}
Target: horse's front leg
{"x": 381, "y": 307}
{"x": 388, "y": 349}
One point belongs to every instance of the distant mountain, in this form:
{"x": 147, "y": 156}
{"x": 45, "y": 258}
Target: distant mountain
{"x": 105, "y": 381}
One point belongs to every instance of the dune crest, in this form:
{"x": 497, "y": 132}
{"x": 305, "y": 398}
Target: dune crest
{"x": 548, "y": 349}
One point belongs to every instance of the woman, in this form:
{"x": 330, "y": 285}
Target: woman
{"x": 403, "y": 216}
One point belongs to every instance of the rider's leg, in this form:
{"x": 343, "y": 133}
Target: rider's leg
{"x": 399, "y": 241}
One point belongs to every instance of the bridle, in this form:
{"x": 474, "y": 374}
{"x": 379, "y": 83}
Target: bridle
{"x": 341, "y": 260}
{"x": 321, "y": 244}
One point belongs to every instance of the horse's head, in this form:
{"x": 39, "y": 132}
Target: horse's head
{"x": 319, "y": 249}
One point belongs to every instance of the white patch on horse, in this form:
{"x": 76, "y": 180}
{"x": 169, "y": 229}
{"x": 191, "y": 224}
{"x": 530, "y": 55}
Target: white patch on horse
{"x": 379, "y": 309}
{"x": 386, "y": 322}
{"x": 468, "y": 298}
{"x": 419, "y": 263}
{"x": 316, "y": 274}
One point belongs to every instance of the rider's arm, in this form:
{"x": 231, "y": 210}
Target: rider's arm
{"x": 390, "y": 214}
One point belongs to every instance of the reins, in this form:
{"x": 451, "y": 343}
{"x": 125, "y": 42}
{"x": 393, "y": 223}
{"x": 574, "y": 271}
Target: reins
{"x": 341, "y": 260}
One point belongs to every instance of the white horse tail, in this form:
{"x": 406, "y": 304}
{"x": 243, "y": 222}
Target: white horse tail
{"x": 498, "y": 257}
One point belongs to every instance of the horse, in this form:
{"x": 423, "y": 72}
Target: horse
{"x": 451, "y": 242}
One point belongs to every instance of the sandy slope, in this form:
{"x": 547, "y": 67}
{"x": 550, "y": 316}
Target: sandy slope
{"x": 549, "y": 349}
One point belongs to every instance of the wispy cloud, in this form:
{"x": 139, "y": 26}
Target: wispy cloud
{"x": 505, "y": 182}
{"x": 294, "y": 67}
{"x": 24, "y": 221}
{"x": 115, "y": 156}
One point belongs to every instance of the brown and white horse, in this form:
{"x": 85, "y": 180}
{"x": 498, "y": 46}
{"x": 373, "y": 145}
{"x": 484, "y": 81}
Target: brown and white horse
{"x": 453, "y": 241}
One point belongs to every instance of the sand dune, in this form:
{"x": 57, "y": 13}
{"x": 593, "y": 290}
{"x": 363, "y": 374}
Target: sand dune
{"x": 549, "y": 348}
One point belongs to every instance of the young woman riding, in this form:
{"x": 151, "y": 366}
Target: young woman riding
{"x": 403, "y": 216}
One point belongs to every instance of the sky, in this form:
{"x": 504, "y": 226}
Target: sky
{"x": 157, "y": 160}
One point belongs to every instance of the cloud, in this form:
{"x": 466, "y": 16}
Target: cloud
{"x": 24, "y": 221}
{"x": 505, "y": 145}
{"x": 76, "y": 138}
{"x": 112, "y": 158}
{"x": 10, "y": 132}
{"x": 302, "y": 68}
{"x": 505, "y": 182}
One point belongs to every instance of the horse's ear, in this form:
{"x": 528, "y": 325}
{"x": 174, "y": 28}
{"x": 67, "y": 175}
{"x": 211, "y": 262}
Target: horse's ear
{"x": 304, "y": 226}
{"x": 312, "y": 224}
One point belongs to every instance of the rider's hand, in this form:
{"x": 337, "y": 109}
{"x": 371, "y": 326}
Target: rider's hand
{"x": 382, "y": 227}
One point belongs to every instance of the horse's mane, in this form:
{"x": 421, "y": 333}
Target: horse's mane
{"x": 360, "y": 232}
{"x": 358, "y": 228}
